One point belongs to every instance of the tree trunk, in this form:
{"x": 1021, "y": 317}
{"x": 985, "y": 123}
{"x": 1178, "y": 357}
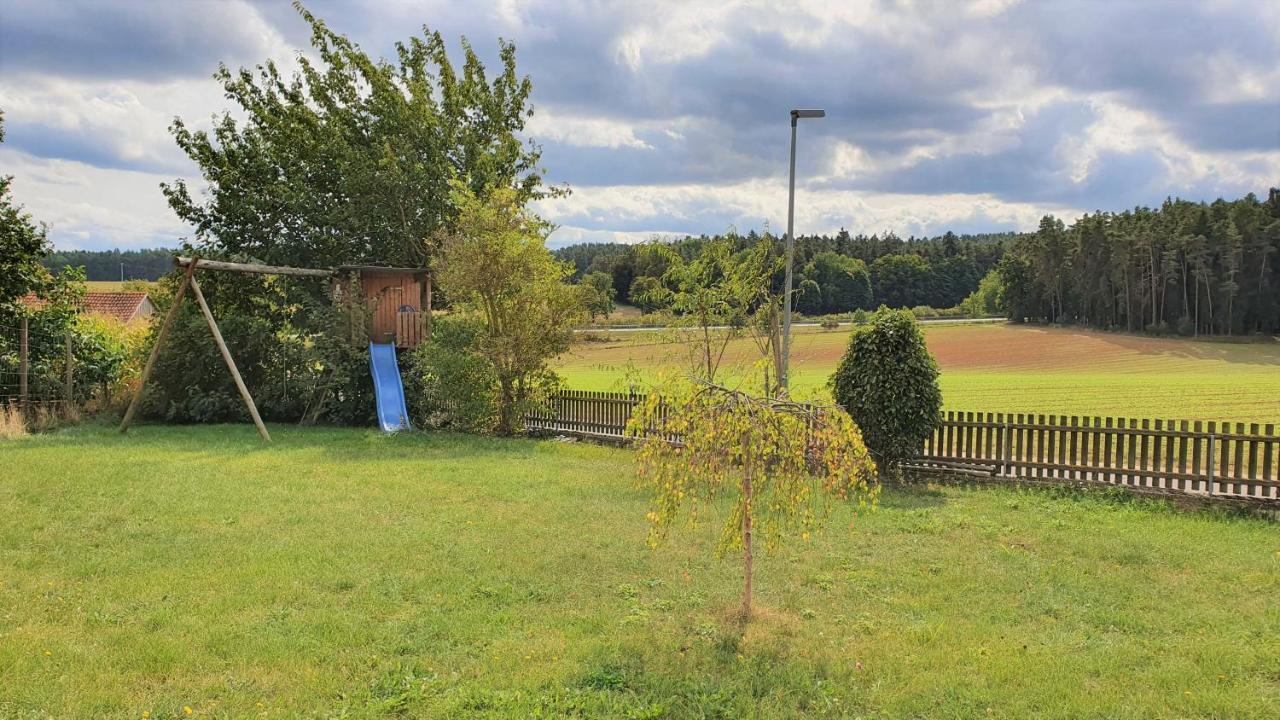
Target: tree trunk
{"x": 746, "y": 535}
{"x": 506, "y": 408}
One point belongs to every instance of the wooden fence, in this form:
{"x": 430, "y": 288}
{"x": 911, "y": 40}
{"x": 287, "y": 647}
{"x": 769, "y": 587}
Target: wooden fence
{"x": 1205, "y": 458}
{"x": 585, "y": 413}
{"x": 1233, "y": 460}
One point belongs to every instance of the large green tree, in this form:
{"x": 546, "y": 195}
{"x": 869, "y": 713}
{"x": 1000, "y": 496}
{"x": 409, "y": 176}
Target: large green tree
{"x": 833, "y": 283}
{"x": 350, "y": 158}
{"x": 23, "y": 244}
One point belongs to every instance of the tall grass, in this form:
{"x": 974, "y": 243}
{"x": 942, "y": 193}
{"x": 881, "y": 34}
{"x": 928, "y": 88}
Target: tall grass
{"x": 12, "y": 424}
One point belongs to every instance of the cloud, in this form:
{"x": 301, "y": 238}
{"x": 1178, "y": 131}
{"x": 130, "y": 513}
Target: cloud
{"x": 671, "y": 116}
{"x": 86, "y": 207}
{"x": 637, "y": 212}
{"x": 140, "y": 40}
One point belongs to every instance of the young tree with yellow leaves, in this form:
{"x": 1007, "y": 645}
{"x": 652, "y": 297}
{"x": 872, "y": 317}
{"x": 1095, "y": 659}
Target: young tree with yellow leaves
{"x": 782, "y": 463}
{"x": 494, "y": 263}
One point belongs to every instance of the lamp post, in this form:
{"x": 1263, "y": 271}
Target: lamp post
{"x": 785, "y": 374}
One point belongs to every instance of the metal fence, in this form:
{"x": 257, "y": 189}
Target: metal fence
{"x": 37, "y": 368}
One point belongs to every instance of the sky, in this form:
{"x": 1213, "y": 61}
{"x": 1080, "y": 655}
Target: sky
{"x": 671, "y": 118}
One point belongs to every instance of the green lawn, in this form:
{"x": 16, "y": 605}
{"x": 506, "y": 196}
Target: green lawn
{"x": 341, "y": 573}
{"x": 1005, "y": 368}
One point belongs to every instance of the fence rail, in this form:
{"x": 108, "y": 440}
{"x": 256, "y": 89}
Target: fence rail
{"x": 1231, "y": 460}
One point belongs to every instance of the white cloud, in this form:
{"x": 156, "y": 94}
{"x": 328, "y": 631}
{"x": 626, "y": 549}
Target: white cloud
{"x": 694, "y": 209}
{"x": 579, "y": 131}
{"x": 89, "y": 207}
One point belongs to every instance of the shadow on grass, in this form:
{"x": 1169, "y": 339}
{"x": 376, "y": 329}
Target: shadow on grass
{"x": 339, "y": 443}
{"x": 911, "y": 496}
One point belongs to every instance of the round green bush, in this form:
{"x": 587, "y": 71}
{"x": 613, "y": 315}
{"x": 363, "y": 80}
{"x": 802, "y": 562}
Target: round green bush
{"x": 888, "y": 382}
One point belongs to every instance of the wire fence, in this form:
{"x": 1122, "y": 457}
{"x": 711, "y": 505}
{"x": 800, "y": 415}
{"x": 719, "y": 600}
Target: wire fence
{"x": 37, "y": 366}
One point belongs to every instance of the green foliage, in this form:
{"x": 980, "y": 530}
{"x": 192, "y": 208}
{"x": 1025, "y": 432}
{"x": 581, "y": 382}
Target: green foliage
{"x": 648, "y": 294}
{"x": 833, "y": 283}
{"x": 255, "y": 313}
{"x": 455, "y": 383}
{"x": 23, "y": 244}
{"x": 147, "y": 265}
{"x": 988, "y": 299}
{"x": 1199, "y": 268}
{"x": 494, "y": 263}
{"x": 597, "y": 293}
{"x": 101, "y": 349}
{"x": 901, "y": 280}
{"x": 350, "y": 159}
{"x": 825, "y": 277}
{"x": 776, "y": 461}
{"x": 888, "y": 382}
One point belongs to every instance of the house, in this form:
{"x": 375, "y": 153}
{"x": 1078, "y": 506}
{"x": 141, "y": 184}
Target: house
{"x": 127, "y": 307}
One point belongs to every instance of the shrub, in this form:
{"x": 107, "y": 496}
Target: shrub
{"x": 453, "y": 384}
{"x": 888, "y": 383}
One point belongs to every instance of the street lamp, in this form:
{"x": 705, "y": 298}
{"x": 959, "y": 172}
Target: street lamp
{"x": 785, "y": 374}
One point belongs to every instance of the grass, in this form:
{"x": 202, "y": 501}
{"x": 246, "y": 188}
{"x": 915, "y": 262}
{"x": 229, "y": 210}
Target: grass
{"x": 1011, "y": 368}
{"x": 116, "y": 285}
{"x": 342, "y": 573}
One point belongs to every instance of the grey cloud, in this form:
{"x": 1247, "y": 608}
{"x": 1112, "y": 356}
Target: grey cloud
{"x": 135, "y": 40}
{"x": 72, "y": 144}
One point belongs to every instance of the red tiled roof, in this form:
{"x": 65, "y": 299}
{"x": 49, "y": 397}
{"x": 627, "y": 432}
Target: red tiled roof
{"x": 31, "y": 301}
{"x": 122, "y": 306}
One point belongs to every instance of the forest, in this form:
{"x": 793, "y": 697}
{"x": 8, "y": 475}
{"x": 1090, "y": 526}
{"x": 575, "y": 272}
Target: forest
{"x": 1190, "y": 268}
{"x": 834, "y": 274}
{"x": 1187, "y": 268}
{"x": 113, "y": 264}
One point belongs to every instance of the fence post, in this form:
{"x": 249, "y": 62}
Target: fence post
{"x": 1212, "y": 462}
{"x": 1006, "y": 466}
{"x": 23, "y": 364}
{"x": 68, "y": 385}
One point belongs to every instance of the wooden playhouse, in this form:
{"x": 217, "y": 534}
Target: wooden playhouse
{"x": 399, "y": 300}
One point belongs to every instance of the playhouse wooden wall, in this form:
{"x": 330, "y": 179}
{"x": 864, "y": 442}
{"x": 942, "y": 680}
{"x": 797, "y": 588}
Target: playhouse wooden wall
{"x": 387, "y": 295}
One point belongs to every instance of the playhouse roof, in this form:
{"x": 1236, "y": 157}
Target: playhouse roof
{"x": 380, "y": 270}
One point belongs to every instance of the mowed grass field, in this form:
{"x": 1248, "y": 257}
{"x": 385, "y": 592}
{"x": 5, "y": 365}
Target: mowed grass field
{"x": 192, "y": 572}
{"x": 113, "y": 285}
{"x": 1005, "y": 368}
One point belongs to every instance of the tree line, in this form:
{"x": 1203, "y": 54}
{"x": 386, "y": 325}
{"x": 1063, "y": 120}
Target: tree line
{"x": 148, "y": 264}
{"x": 1186, "y": 267}
{"x": 834, "y": 274}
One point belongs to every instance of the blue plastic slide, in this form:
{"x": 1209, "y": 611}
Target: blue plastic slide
{"x": 393, "y": 416}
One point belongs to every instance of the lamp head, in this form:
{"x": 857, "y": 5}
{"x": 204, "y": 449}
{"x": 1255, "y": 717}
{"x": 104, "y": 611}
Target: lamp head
{"x": 806, "y": 113}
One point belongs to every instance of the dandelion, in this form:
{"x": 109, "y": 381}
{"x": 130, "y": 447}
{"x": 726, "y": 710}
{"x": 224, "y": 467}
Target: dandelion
{"x": 48, "y": 653}
{"x": 187, "y": 709}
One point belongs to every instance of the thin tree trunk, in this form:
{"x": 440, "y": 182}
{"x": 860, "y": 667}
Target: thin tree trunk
{"x": 747, "y": 557}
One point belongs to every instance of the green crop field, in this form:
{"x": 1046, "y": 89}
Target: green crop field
{"x": 192, "y": 572}
{"x": 115, "y": 285}
{"x": 1006, "y": 368}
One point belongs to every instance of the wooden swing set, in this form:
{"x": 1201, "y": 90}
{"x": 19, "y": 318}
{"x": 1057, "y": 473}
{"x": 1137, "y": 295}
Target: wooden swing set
{"x": 404, "y": 322}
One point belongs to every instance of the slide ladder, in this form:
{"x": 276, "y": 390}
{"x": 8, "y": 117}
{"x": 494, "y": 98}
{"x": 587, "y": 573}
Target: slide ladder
{"x": 393, "y": 416}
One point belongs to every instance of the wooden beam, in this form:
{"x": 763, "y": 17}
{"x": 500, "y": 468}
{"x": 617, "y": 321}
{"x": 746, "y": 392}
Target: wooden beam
{"x": 231, "y": 364}
{"x": 203, "y": 264}
{"x": 155, "y": 349}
